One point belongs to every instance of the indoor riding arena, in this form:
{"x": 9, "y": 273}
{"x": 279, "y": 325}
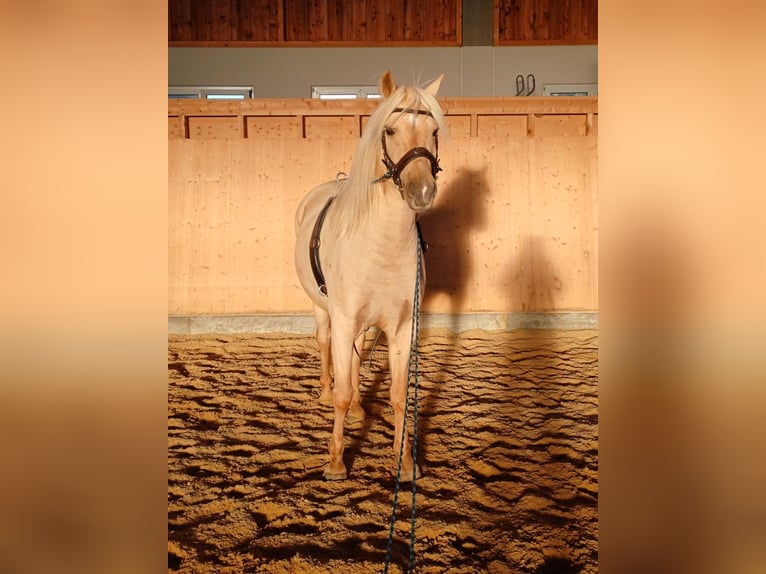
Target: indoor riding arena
{"x": 503, "y": 393}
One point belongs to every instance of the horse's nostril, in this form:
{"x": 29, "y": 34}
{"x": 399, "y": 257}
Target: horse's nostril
{"x": 420, "y": 194}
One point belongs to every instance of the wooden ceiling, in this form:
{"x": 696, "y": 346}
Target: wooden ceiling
{"x": 374, "y": 22}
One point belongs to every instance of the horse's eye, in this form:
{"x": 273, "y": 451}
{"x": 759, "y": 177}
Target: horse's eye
{"x": 390, "y": 131}
{"x": 436, "y": 133}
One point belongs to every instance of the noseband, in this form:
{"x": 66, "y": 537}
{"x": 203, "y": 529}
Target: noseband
{"x": 395, "y": 169}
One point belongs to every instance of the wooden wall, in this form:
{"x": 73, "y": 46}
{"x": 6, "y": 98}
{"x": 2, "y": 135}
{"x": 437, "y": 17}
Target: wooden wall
{"x": 525, "y": 22}
{"x": 374, "y": 22}
{"x": 514, "y": 227}
{"x": 316, "y": 22}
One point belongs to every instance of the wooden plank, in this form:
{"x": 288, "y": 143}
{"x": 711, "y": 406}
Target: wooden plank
{"x": 376, "y": 19}
{"x": 201, "y": 17}
{"x": 396, "y": 30}
{"x": 176, "y": 127}
{"x": 358, "y": 21}
{"x": 363, "y": 121}
{"x": 198, "y": 234}
{"x": 317, "y": 20}
{"x": 592, "y": 125}
{"x": 330, "y": 127}
{"x": 492, "y": 126}
{"x": 502, "y": 21}
{"x": 279, "y": 26}
{"x": 539, "y": 22}
{"x": 263, "y": 199}
{"x": 560, "y": 210}
{"x": 242, "y": 15}
{"x": 180, "y": 20}
{"x": 334, "y": 17}
{"x": 221, "y": 20}
{"x": 297, "y": 20}
{"x": 561, "y": 125}
{"x": 554, "y": 20}
{"x": 342, "y": 23}
{"x": 256, "y": 21}
{"x": 314, "y": 22}
{"x": 273, "y": 127}
{"x": 576, "y": 31}
{"x": 591, "y": 18}
{"x": 459, "y": 126}
{"x": 422, "y": 16}
{"x": 565, "y": 29}
{"x": 456, "y": 23}
{"x": 220, "y": 127}
{"x": 264, "y": 17}
{"x": 508, "y": 105}
{"x": 522, "y": 25}
{"x": 434, "y": 19}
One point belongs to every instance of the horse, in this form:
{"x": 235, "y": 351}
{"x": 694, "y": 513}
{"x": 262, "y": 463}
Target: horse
{"x": 356, "y": 255}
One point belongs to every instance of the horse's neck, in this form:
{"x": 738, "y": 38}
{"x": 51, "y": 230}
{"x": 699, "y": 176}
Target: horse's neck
{"x": 395, "y": 218}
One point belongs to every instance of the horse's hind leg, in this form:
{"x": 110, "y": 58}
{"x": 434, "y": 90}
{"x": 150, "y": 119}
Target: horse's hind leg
{"x": 325, "y": 354}
{"x": 355, "y": 410}
{"x": 342, "y": 352}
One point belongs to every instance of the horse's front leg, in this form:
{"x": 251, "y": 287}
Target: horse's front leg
{"x": 398, "y": 358}
{"x": 356, "y": 412}
{"x": 341, "y": 398}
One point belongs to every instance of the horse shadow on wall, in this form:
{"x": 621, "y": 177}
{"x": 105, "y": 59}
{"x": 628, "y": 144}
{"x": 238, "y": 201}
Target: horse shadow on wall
{"x": 531, "y": 282}
{"x": 460, "y": 212}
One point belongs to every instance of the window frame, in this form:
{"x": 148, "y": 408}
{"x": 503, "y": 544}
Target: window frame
{"x": 211, "y": 92}
{"x": 345, "y": 92}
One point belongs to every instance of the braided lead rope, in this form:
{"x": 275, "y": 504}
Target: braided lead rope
{"x": 413, "y": 353}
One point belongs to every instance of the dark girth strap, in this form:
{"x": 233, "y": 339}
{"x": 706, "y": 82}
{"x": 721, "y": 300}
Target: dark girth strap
{"x": 316, "y": 266}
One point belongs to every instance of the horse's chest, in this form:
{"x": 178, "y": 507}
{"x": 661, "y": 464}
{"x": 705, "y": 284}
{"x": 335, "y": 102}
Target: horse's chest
{"x": 375, "y": 293}
{"x": 378, "y": 286}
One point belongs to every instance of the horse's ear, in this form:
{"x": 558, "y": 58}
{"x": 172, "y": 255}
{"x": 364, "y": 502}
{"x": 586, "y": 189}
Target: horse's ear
{"x": 387, "y": 85}
{"x": 433, "y": 87}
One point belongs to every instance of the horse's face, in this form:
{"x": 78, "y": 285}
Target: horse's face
{"x": 410, "y": 147}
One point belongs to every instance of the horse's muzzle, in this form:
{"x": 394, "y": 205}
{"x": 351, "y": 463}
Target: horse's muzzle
{"x": 420, "y": 194}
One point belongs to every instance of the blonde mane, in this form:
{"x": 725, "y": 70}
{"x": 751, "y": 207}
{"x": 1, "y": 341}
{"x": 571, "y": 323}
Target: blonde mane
{"x": 357, "y": 194}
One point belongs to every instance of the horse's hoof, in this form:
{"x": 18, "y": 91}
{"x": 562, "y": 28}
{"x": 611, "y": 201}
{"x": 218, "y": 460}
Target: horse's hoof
{"x": 406, "y": 475}
{"x": 326, "y": 398}
{"x": 330, "y": 474}
{"x": 355, "y": 415}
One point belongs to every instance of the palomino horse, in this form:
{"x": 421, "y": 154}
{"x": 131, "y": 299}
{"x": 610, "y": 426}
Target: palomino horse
{"x": 356, "y": 253}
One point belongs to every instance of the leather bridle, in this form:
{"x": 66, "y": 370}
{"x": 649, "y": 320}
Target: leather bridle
{"x": 394, "y": 170}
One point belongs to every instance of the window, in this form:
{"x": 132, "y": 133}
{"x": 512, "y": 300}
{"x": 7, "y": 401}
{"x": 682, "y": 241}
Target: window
{"x": 210, "y": 92}
{"x": 345, "y": 92}
{"x": 570, "y": 90}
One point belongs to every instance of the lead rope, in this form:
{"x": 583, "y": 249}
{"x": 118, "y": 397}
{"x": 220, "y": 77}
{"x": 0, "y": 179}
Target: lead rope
{"x": 413, "y": 359}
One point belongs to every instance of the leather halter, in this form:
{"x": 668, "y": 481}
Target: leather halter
{"x": 395, "y": 169}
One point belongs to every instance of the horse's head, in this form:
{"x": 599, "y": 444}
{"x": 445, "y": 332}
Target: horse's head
{"x": 410, "y": 144}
